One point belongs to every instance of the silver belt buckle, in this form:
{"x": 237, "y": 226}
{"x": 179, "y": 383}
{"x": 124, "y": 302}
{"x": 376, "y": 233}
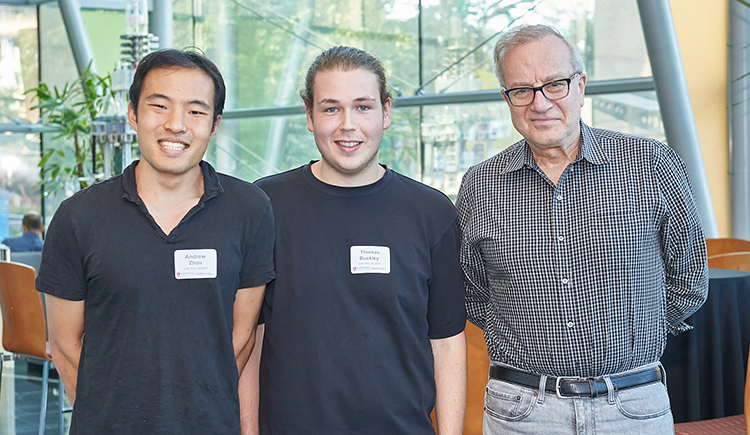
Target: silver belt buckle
{"x": 557, "y": 385}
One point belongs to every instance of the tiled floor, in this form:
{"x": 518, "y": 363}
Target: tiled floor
{"x": 20, "y": 399}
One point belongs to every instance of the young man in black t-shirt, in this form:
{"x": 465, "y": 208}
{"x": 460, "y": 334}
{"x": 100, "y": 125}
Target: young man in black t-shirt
{"x": 364, "y": 323}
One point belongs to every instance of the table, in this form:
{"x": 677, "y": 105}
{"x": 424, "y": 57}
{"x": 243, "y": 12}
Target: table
{"x": 706, "y": 366}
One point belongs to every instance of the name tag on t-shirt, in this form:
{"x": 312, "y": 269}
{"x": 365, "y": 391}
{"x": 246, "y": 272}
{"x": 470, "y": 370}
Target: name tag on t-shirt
{"x": 195, "y": 263}
{"x": 370, "y": 259}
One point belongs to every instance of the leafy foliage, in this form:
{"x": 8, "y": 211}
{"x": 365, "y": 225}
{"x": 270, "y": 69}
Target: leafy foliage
{"x": 71, "y": 109}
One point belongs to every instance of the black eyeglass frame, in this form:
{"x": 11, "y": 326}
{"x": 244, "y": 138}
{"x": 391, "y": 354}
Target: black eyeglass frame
{"x": 540, "y": 89}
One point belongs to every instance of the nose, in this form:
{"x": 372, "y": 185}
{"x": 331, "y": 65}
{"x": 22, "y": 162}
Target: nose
{"x": 540, "y": 102}
{"x": 175, "y": 122}
{"x": 347, "y": 121}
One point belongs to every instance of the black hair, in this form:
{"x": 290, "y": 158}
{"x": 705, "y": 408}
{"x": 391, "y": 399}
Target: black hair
{"x": 171, "y": 58}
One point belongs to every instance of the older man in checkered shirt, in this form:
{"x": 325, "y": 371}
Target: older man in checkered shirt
{"x": 582, "y": 249}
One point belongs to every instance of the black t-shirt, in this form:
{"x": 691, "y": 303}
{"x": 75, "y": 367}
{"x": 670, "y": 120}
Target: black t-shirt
{"x": 157, "y": 354}
{"x": 366, "y": 276}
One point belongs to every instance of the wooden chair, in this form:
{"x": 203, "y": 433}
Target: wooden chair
{"x": 726, "y": 245}
{"x": 733, "y": 425}
{"x": 25, "y": 328}
{"x": 731, "y": 260}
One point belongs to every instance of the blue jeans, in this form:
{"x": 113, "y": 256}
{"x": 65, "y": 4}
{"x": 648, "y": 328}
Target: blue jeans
{"x": 513, "y": 409}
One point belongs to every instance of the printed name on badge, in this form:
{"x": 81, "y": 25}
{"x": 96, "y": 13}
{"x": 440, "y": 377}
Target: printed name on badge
{"x": 195, "y": 263}
{"x": 370, "y": 259}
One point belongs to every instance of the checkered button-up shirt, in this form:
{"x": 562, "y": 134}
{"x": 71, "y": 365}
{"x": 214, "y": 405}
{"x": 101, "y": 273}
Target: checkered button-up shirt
{"x": 586, "y": 277}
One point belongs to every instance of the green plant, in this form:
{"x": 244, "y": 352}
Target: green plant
{"x": 72, "y": 110}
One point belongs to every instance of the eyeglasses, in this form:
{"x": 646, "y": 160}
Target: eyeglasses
{"x": 554, "y": 90}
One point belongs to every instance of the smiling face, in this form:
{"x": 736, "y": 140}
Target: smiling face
{"x": 545, "y": 124}
{"x": 347, "y": 120}
{"x": 174, "y": 121}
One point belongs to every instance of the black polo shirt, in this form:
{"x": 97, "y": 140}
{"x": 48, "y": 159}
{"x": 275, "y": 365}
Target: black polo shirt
{"x": 157, "y": 353}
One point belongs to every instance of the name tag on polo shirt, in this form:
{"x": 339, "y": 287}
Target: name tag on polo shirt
{"x": 370, "y": 259}
{"x": 195, "y": 263}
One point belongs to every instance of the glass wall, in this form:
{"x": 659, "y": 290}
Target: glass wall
{"x": 19, "y": 153}
{"x": 430, "y": 47}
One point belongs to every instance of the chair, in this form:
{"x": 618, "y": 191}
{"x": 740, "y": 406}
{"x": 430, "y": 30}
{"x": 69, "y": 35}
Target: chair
{"x": 25, "y": 328}
{"x": 732, "y": 260}
{"x": 734, "y": 425}
{"x": 725, "y": 245}
{"x": 31, "y": 258}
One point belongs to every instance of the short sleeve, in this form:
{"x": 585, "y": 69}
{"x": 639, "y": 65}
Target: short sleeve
{"x": 257, "y": 267}
{"x": 61, "y": 272}
{"x": 446, "y": 315}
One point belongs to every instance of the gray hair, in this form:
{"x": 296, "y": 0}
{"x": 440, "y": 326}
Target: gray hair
{"x": 524, "y": 34}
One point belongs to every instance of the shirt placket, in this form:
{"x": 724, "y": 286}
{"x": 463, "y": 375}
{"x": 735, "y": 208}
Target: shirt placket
{"x": 561, "y": 221}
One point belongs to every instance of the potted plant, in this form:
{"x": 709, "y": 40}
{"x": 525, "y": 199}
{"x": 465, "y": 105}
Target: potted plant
{"x": 66, "y": 163}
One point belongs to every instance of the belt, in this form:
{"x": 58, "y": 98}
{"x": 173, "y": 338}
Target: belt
{"x": 574, "y": 386}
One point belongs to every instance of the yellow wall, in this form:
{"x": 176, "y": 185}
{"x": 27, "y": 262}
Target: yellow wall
{"x": 702, "y": 32}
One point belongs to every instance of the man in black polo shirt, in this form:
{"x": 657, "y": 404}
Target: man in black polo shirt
{"x": 162, "y": 269}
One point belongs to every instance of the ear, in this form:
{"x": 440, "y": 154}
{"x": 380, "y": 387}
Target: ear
{"x": 387, "y": 114}
{"x": 215, "y": 127}
{"x": 308, "y": 112}
{"x": 132, "y": 118}
{"x": 582, "y": 86}
{"x": 505, "y": 97}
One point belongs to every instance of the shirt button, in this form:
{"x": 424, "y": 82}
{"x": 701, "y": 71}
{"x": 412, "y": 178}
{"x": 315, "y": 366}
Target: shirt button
{"x": 565, "y": 280}
{"x": 569, "y": 324}
{"x": 560, "y": 238}
{"x": 559, "y": 197}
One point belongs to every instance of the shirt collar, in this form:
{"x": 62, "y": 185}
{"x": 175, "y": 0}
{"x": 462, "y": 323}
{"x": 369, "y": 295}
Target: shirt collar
{"x": 211, "y": 183}
{"x": 590, "y": 150}
{"x": 31, "y": 235}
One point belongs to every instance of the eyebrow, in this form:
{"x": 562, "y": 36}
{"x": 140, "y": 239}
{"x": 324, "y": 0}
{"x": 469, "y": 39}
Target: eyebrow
{"x": 158, "y": 96}
{"x": 548, "y": 79}
{"x": 334, "y": 101}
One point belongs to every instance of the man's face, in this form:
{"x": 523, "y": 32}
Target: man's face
{"x": 348, "y": 119}
{"x": 543, "y": 123}
{"x": 174, "y": 122}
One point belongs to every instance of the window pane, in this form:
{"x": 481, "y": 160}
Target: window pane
{"x": 264, "y": 49}
{"x": 459, "y": 38}
{"x": 19, "y": 153}
{"x": 56, "y": 58}
{"x": 461, "y": 135}
{"x": 633, "y": 113}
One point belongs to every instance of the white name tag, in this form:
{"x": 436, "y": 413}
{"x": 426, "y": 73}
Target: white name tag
{"x": 195, "y": 263}
{"x": 370, "y": 259}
